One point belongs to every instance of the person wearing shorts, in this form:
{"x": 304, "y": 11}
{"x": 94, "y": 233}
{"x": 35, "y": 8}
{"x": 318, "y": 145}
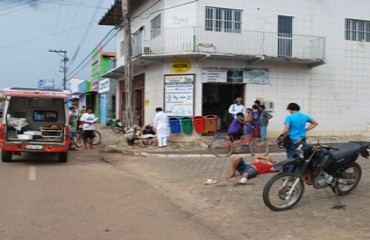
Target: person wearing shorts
{"x": 248, "y": 171}
{"x": 88, "y": 119}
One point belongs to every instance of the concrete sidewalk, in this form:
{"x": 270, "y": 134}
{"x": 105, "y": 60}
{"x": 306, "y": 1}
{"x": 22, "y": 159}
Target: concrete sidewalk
{"x": 116, "y": 142}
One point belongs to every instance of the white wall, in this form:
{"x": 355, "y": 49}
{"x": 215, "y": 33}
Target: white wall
{"x": 335, "y": 94}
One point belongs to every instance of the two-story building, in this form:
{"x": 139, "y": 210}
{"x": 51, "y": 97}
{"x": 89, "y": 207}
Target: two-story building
{"x": 195, "y": 57}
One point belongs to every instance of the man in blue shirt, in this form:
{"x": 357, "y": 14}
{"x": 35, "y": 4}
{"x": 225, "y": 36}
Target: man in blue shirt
{"x": 295, "y": 127}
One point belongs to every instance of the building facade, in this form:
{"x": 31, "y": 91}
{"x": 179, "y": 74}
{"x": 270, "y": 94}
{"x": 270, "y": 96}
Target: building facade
{"x": 105, "y": 100}
{"x": 195, "y": 57}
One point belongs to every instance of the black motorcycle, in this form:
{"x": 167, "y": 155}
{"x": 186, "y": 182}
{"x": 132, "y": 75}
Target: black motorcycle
{"x": 317, "y": 165}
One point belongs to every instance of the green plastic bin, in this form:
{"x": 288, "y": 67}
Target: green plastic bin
{"x": 187, "y": 125}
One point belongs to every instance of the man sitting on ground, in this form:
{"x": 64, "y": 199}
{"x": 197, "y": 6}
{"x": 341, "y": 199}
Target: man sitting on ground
{"x": 250, "y": 170}
{"x": 148, "y": 136}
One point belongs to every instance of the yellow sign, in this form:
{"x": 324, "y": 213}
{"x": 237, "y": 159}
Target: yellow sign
{"x": 180, "y": 66}
{"x": 146, "y": 102}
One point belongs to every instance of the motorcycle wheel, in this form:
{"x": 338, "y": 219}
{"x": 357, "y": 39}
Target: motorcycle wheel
{"x": 348, "y": 178}
{"x": 116, "y": 129}
{"x": 276, "y": 190}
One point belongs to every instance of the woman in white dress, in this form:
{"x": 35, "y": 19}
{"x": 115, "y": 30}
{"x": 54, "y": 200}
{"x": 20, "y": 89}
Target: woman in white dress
{"x": 161, "y": 123}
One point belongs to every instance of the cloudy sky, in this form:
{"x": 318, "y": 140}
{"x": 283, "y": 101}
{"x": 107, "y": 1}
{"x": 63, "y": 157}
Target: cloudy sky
{"x": 30, "y": 28}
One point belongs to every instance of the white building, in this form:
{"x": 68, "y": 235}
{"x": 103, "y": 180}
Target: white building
{"x": 314, "y": 53}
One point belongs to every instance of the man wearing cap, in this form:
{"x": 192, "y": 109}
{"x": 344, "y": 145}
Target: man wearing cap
{"x": 295, "y": 127}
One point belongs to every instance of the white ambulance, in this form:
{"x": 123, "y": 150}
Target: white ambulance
{"x": 35, "y": 120}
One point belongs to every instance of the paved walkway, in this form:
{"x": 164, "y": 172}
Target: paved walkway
{"x": 116, "y": 142}
{"x": 180, "y": 170}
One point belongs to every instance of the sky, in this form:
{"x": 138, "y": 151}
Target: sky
{"x": 30, "y": 28}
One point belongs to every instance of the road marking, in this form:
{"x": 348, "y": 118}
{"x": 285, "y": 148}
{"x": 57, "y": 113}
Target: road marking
{"x": 32, "y": 174}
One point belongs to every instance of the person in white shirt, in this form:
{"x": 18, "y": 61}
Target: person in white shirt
{"x": 88, "y": 119}
{"x": 237, "y": 107}
{"x": 161, "y": 123}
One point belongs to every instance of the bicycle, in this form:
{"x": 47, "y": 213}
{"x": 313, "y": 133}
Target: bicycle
{"x": 96, "y": 138}
{"x": 224, "y": 146}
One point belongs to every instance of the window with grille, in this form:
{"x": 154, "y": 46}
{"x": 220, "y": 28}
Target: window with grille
{"x": 223, "y": 20}
{"x": 357, "y": 30}
{"x": 155, "y": 27}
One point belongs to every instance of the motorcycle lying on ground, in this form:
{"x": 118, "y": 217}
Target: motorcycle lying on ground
{"x": 317, "y": 165}
{"x": 116, "y": 125}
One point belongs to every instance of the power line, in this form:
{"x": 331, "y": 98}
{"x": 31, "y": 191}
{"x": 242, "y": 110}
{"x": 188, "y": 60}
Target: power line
{"x": 87, "y": 57}
{"x": 87, "y": 30}
{"x": 74, "y": 71}
{"x": 45, "y": 36}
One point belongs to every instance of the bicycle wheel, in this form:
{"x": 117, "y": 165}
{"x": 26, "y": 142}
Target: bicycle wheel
{"x": 222, "y": 147}
{"x": 79, "y": 140}
{"x": 258, "y": 146}
{"x": 96, "y": 138}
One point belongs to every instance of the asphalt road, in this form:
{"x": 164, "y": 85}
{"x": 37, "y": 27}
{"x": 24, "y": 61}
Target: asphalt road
{"x": 88, "y": 198}
{"x": 115, "y": 196}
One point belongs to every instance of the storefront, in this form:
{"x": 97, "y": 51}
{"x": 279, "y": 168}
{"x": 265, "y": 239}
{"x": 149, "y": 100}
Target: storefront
{"x": 107, "y": 98}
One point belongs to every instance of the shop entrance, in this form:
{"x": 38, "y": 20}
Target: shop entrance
{"x": 217, "y": 98}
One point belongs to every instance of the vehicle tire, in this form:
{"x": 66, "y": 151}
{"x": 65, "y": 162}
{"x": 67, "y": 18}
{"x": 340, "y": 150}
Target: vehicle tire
{"x": 116, "y": 129}
{"x": 97, "y": 138}
{"x": 348, "y": 179}
{"x": 6, "y": 156}
{"x": 258, "y": 146}
{"x": 63, "y": 157}
{"x": 276, "y": 190}
{"x": 79, "y": 140}
{"x": 222, "y": 147}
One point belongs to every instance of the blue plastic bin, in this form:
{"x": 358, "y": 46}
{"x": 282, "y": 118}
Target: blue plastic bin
{"x": 175, "y": 125}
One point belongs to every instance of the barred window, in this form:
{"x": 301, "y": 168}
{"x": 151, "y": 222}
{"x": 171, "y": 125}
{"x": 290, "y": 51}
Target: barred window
{"x": 155, "y": 25}
{"x": 357, "y": 30}
{"x": 223, "y": 20}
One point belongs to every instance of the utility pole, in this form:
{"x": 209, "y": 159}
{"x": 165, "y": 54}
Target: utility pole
{"x": 128, "y": 68}
{"x": 63, "y": 54}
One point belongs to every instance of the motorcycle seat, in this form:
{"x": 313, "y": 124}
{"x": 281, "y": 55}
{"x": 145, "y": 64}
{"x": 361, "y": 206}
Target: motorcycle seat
{"x": 345, "y": 150}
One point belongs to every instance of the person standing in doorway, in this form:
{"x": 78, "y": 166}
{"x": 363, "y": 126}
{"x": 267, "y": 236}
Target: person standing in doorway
{"x": 295, "y": 127}
{"x": 264, "y": 121}
{"x": 161, "y": 123}
{"x": 237, "y": 107}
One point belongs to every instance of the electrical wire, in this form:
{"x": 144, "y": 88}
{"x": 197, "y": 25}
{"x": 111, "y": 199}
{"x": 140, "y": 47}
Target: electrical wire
{"x": 82, "y": 64}
{"x": 87, "y": 30}
{"x": 41, "y": 37}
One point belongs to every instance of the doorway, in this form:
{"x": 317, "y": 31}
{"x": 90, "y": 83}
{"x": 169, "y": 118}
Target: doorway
{"x": 217, "y": 98}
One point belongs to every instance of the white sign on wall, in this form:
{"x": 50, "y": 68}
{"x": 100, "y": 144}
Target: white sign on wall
{"x": 179, "y": 95}
{"x": 214, "y": 76}
{"x": 235, "y": 75}
{"x": 104, "y": 85}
